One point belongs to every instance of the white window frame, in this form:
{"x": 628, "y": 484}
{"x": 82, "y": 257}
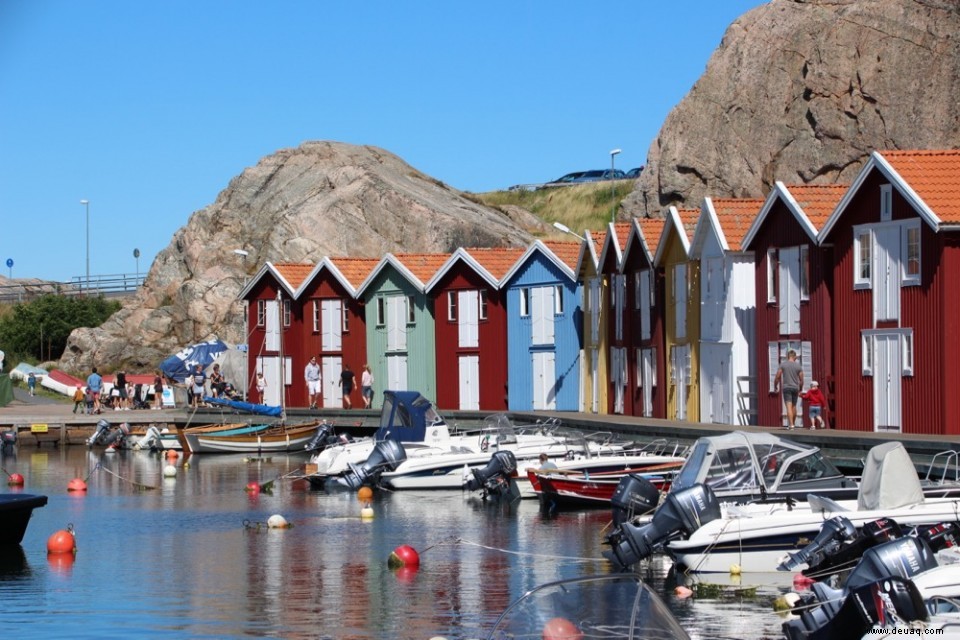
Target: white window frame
{"x": 868, "y": 348}
{"x": 411, "y": 310}
{"x": 558, "y": 300}
{"x": 524, "y": 302}
{"x": 772, "y": 275}
{"x": 886, "y": 202}
{"x": 316, "y": 316}
{"x": 483, "y": 304}
{"x": 286, "y": 313}
{"x": 866, "y": 354}
{"x": 381, "y": 311}
{"x": 910, "y": 279}
{"x": 862, "y": 236}
{"x": 345, "y": 323}
{"x": 804, "y": 272}
{"x": 261, "y": 313}
{"x": 452, "y": 306}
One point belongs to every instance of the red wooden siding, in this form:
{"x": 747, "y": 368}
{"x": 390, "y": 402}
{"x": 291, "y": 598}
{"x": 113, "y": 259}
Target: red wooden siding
{"x": 633, "y": 403}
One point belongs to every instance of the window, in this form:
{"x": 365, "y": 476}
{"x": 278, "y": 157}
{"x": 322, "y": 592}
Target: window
{"x": 316, "y": 316}
{"x": 906, "y": 339}
{"x": 286, "y": 313}
{"x": 558, "y": 299}
{"x": 651, "y": 276}
{"x": 411, "y": 310}
{"x": 636, "y": 290}
{"x": 886, "y": 202}
{"x": 452, "y": 306}
{"x": 346, "y": 318}
{"x": 524, "y": 302}
{"x": 866, "y": 356}
{"x": 381, "y": 312}
{"x": 804, "y": 272}
{"x": 483, "y": 304}
{"x": 772, "y": 267}
{"x": 911, "y": 253}
{"x": 261, "y": 312}
{"x": 862, "y": 239}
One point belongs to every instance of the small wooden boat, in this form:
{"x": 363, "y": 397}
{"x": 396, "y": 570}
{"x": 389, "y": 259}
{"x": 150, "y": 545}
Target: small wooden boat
{"x": 15, "y": 512}
{"x": 559, "y": 490}
{"x": 280, "y": 438}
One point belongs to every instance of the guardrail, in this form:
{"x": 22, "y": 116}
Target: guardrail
{"x": 109, "y": 286}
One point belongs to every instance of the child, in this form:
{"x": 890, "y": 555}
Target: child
{"x": 90, "y": 399}
{"x": 78, "y": 399}
{"x": 814, "y": 397}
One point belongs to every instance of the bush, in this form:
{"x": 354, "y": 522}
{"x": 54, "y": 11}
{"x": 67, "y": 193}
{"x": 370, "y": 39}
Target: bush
{"x": 38, "y": 329}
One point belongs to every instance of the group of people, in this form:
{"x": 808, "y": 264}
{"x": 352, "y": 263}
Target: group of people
{"x": 196, "y": 384}
{"x": 122, "y": 396}
{"x": 789, "y": 382}
{"x": 347, "y": 383}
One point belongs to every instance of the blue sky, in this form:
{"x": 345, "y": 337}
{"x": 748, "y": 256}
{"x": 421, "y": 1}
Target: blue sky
{"x": 148, "y": 109}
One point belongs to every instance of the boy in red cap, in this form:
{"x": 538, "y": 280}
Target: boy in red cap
{"x": 818, "y": 404}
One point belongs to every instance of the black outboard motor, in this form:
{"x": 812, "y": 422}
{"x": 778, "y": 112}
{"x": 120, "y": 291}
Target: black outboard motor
{"x": 386, "y": 456}
{"x": 634, "y": 496}
{"x": 835, "y": 532}
{"x": 904, "y": 557}
{"x": 495, "y": 479}
{"x": 843, "y": 615}
{"x": 681, "y": 513}
{"x": 835, "y": 558}
{"x": 323, "y": 438}
{"x": 8, "y": 438}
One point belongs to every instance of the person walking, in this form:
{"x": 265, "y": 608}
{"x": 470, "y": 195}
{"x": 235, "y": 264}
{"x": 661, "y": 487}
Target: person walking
{"x": 366, "y": 386}
{"x": 32, "y": 383}
{"x": 817, "y": 402}
{"x": 347, "y": 380}
{"x": 120, "y": 384}
{"x": 78, "y": 399}
{"x": 789, "y": 381}
{"x": 261, "y": 385}
{"x": 199, "y": 378}
{"x": 95, "y": 386}
{"x": 311, "y": 374}
{"x": 157, "y": 391}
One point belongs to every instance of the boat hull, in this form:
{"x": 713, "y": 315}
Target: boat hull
{"x": 15, "y": 512}
{"x": 276, "y": 439}
{"x": 578, "y": 491}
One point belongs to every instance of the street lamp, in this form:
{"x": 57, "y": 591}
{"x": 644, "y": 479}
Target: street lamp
{"x": 613, "y": 187}
{"x": 562, "y": 227}
{"x": 86, "y": 204}
{"x": 136, "y": 255}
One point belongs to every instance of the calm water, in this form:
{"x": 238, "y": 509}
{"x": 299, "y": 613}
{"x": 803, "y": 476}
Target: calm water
{"x": 178, "y": 561}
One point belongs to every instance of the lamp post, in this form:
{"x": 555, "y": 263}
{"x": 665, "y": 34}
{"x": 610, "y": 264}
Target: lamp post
{"x": 86, "y": 204}
{"x": 246, "y": 330}
{"x": 562, "y": 227}
{"x": 613, "y": 187}
{"x": 136, "y": 255}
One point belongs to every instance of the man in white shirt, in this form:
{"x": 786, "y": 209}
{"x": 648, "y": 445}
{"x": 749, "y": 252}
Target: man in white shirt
{"x": 312, "y": 375}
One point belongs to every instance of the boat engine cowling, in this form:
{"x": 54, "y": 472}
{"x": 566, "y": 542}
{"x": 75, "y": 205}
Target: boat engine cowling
{"x": 844, "y": 614}
{"x": 496, "y": 476}
{"x": 681, "y": 513}
{"x": 323, "y": 438}
{"x": 386, "y": 456}
{"x": 833, "y": 533}
{"x": 634, "y": 495}
{"x": 103, "y": 427}
{"x": 837, "y": 557}
{"x": 904, "y": 557}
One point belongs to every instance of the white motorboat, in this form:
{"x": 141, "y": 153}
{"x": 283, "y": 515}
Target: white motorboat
{"x": 703, "y": 536}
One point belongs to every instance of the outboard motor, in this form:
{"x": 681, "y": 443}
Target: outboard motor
{"x": 843, "y": 555}
{"x": 8, "y": 438}
{"x": 100, "y": 433}
{"x": 904, "y": 557}
{"x": 495, "y": 479}
{"x": 322, "y": 438}
{"x": 843, "y": 615}
{"x": 386, "y": 456}
{"x": 681, "y": 513}
{"x": 635, "y": 495}
{"x": 834, "y": 532}
{"x": 150, "y": 440}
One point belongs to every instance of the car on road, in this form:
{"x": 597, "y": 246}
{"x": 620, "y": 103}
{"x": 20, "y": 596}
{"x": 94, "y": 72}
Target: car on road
{"x": 634, "y": 173}
{"x": 580, "y": 177}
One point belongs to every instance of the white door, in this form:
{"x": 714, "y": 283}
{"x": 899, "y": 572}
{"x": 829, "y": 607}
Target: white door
{"x": 397, "y": 372}
{"x": 886, "y": 267}
{"x": 544, "y": 380}
{"x": 595, "y": 379}
{"x": 713, "y": 299}
{"x": 680, "y": 300}
{"x": 644, "y": 303}
{"x": 715, "y": 383}
{"x": 789, "y": 291}
{"x": 272, "y": 323}
{"x": 468, "y": 305}
{"x": 887, "y": 371}
{"x": 649, "y": 380}
{"x": 470, "y": 382}
{"x": 680, "y": 373}
{"x": 618, "y": 376}
{"x": 270, "y": 366}
{"x": 331, "y": 325}
{"x": 542, "y": 312}
{"x": 397, "y": 325}
{"x": 330, "y": 369}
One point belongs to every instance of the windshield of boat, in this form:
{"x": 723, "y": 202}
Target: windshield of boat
{"x": 731, "y": 469}
{"x": 810, "y": 467}
{"x": 689, "y": 474}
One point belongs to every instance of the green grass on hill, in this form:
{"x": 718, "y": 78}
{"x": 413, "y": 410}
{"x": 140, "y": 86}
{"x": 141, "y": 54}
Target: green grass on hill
{"x": 580, "y": 207}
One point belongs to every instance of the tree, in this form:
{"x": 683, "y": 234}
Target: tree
{"x": 40, "y": 328}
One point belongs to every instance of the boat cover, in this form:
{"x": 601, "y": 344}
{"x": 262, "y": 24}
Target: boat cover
{"x": 405, "y": 416}
{"x": 259, "y": 409}
{"x": 22, "y": 370}
{"x": 889, "y": 479}
{"x": 178, "y": 366}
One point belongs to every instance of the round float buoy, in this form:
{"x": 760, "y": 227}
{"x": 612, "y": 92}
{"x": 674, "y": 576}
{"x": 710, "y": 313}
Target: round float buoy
{"x": 169, "y": 471}
{"x": 801, "y": 581}
{"x": 15, "y": 480}
{"x": 172, "y": 455}
{"x": 62, "y": 541}
{"x": 683, "y": 592}
{"x": 364, "y": 494}
{"x": 561, "y": 629}
{"x": 366, "y": 513}
{"x": 252, "y": 488}
{"x": 735, "y": 570}
{"x": 277, "y": 522}
{"x": 404, "y": 556}
{"x": 77, "y": 485}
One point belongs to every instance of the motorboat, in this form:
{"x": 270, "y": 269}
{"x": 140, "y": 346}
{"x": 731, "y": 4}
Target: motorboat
{"x": 593, "y": 489}
{"x": 277, "y": 438}
{"x": 704, "y": 535}
{"x": 15, "y": 512}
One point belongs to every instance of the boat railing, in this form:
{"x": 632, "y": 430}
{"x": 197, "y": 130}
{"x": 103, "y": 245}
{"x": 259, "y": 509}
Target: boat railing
{"x": 664, "y": 447}
{"x": 949, "y": 465}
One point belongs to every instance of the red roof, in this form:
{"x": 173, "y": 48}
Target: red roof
{"x": 817, "y": 200}
{"x": 652, "y": 229}
{"x": 567, "y": 252}
{"x": 498, "y": 261}
{"x": 422, "y": 265}
{"x": 355, "y": 270}
{"x": 735, "y": 216}
{"x": 934, "y": 176}
{"x": 295, "y": 273}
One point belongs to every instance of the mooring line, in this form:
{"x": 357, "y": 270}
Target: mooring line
{"x": 515, "y": 553}
{"x": 138, "y": 485}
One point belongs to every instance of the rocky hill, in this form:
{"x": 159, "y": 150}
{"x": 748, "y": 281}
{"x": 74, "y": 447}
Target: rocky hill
{"x": 322, "y": 198}
{"x": 803, "y": 91}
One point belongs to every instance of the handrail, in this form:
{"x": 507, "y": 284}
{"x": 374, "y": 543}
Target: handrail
{"x": 113, "y": 285}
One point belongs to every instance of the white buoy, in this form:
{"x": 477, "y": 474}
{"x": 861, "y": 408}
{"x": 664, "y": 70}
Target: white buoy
{"x": 366, "y": 513}
{"x": 169, "y": 471}
{"x": 277, "y": 522}
{"x": 735, "y": 570}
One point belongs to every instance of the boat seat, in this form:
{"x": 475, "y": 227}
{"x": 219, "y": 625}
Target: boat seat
{"x": 822, "y": 503}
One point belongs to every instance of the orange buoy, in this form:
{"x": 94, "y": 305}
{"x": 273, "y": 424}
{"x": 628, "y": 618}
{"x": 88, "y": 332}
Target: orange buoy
{"x": 252, "y": 488}
{"x": 683, "y": 592}
{"x": 76, "y": 485}
{"x": 172, "y": 455}
{"x": 404, "y": 556}
{"x": 365, "y": 494}
{"x": 561, "y": 629}
{"x": 15, "y": 480}
{"x": 62, "y": 541}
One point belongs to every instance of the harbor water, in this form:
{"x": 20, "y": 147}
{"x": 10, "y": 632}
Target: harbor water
{"x": 191, "y": 557}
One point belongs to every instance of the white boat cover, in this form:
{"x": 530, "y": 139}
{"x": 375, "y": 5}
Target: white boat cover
{"x": 22, "y": 371}
{"x": 889, "y": 479}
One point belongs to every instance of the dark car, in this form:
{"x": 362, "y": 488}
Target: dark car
{"x": 634, "y": 173}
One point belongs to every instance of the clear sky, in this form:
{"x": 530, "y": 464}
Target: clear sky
{"x": 147, "y": 109}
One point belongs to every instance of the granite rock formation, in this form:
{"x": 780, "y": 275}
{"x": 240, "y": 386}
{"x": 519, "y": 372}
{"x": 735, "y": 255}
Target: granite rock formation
{"x": 321, "y": 198}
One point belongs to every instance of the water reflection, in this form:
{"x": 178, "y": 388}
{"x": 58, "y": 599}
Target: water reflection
{"x": 173, "y": 557}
